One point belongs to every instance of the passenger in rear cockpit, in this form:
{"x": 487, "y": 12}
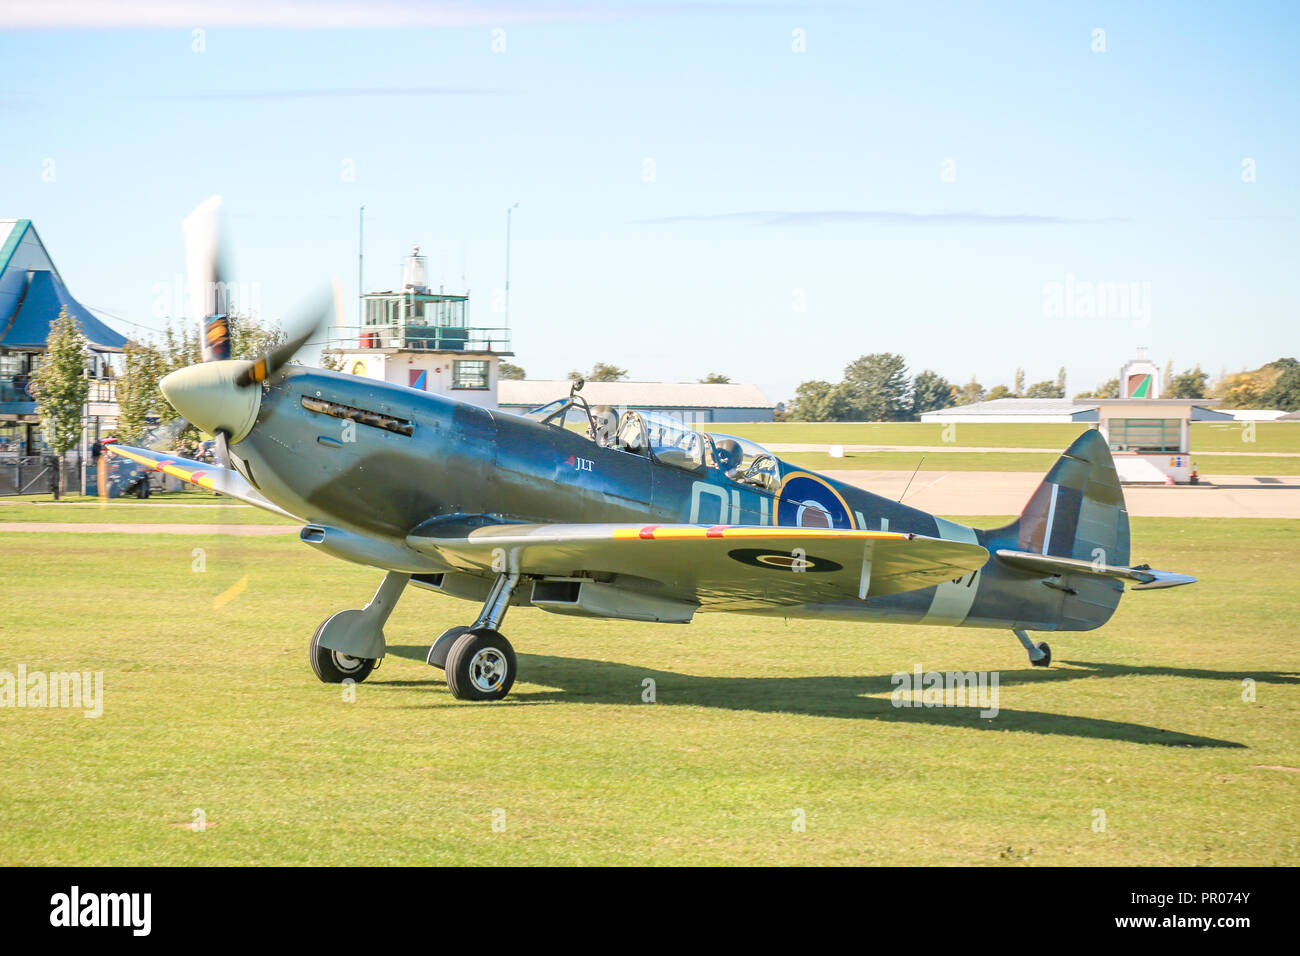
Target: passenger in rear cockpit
{"x": 728, "y": 453}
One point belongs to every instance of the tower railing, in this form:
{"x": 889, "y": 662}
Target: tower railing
{"x": 432, "y": 338}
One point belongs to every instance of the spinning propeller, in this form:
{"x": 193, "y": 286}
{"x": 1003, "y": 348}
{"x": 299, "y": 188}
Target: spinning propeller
{"x": 220, "y": 394}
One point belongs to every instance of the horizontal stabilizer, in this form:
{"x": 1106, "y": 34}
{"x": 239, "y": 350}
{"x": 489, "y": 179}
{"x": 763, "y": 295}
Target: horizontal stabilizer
{"x": 1142, "y": 578}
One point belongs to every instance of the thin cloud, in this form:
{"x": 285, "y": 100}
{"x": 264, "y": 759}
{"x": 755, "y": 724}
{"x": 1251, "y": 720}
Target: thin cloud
{"x": 336, "y": 93}
{"x": 331, "y": 14}
{"x": 878, "y": 217}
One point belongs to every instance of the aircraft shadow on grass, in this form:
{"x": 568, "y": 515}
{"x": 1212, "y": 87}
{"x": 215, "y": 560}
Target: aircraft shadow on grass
{"x": 605, "y": 682}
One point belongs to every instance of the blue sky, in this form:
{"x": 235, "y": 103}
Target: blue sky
{"x": 799, "y": 213}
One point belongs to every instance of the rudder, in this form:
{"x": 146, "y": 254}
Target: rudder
{"x": 1078, "y": 509}
{"x": 1077, "y": 513}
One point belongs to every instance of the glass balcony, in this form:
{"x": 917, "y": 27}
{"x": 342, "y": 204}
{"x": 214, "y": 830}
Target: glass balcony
{"x": 13, "y": 393}
{"x": 432, "y": 338}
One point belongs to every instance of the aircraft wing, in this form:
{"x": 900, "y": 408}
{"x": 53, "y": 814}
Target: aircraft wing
{"x": 222, "y": 480}
{"x": 719, "y": 567}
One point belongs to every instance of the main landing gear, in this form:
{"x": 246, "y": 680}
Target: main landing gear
{"x": 479, "y": 662}
{"x": 350, "y": 644}
{"x": 1040, "y": 654}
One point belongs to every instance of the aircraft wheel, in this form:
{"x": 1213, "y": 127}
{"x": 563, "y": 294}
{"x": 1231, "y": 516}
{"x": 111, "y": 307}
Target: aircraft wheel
{"x": 440, "y": 648}
{"x": 1046, "y": 661}
{"x": 480, "y": 666}
{"x": 333, "y": 667}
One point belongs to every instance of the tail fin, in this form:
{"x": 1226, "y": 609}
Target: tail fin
{"x": 1074, "y": 533}
{"x": 1078, "y": 509}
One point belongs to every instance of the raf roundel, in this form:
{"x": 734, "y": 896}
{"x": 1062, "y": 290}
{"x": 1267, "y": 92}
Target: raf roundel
{"x": 809, "y": 501}
{"x": 783, "y": 561}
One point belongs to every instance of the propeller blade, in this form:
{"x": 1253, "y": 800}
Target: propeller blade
{"x": 221, "y": 450}
{"x": 162, "y": 437}
{"x": 206, "y": 275}
{"x": 308, "y": 322}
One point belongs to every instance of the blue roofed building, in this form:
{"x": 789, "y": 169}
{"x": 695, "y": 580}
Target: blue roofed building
{"x": 32, "y": 293}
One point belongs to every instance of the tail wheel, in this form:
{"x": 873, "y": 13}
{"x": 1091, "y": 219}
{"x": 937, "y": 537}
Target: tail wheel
{"x": 481, "y": 666}
{"x": 1046, "y": 659}
{"x": 334, "y": 667}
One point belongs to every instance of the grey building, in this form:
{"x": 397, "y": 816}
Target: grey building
{"x": 689, "y": 401}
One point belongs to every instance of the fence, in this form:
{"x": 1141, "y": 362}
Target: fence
{"x": 34, "y": 474}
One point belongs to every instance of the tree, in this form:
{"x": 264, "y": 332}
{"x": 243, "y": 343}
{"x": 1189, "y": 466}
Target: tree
{"x": 1167, "y": 381}
{"x": 1107, "y": 389}
{"x": 510, "y": 371}
{"x": 1254, "y": 389}
{"x": 249, "y": 338}
{"x": 1060, "y": 382}
{"x": 998, "y": 391}
{"x": 61, "y": 387}
{"x": 600, "y": 372}
{"x": 1019, "y": 387}
{"x": 138, "y": 397}
{"x": 877, "y": 387}
{"x": 1240, "y": 390}
{"x": 930, "y": 392}
{"x": 1285, "y": 393}
{"x": 331, "y": 360}
{"x": 1190, "y": 383}
{"x": 818, "y": 401}
{"x": 1044, "y": 390}
{"x": 716, "y": 378}
{"x": 970, "y": 393}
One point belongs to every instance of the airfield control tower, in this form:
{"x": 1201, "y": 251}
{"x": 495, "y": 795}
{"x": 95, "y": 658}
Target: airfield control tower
{"x": 420, "y": 338}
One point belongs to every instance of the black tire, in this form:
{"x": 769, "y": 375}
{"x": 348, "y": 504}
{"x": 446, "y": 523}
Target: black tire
{"x": 438, "y": 651}
{"x": 481, "y": 666}
{"x": 334, "y": 668}
{"x": 1046, "y": 661}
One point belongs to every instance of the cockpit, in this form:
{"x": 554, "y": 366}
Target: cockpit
{"x": 745, "y": 461}
{"x": 664, "y": 439}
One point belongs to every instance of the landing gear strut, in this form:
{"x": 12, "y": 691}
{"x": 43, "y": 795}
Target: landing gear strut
{"x": 1040, "y": 654}
{"x": 479, "y": 661}
{"x": 350, "y": 644}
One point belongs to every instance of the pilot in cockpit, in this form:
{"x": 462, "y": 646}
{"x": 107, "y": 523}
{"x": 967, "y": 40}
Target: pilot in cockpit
{"x": 729, "y": 455}
{"x": 604, "y": 425}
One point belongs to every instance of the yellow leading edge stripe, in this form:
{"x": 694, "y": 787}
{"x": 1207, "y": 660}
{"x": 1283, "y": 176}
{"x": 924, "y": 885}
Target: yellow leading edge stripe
{"x": 651, "y": 532}
{"x": 194, "y": 478}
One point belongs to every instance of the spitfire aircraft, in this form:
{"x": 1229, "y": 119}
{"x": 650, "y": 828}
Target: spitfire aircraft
{"x": 629, "y": 516}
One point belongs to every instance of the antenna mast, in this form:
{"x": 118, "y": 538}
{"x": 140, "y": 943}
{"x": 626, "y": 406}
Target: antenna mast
{"x": 361, "y": 264}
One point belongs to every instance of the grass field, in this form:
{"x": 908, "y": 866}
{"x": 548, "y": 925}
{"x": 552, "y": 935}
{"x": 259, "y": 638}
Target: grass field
{"x": 213, "y": 511}
{"x": 1271, "y": 437}
{"x": 1278, "y": 438}
{"x": 756, "y": 719}
{"x": 1015, "y": 461}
